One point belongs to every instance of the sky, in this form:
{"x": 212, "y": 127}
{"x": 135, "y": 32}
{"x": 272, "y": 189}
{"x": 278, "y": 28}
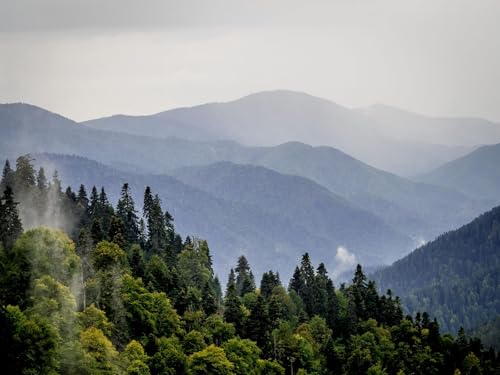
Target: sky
{"x": 93, "y": 58}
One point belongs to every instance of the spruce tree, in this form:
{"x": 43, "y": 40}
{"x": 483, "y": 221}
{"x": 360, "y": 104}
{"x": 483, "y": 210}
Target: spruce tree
{"x": 10, "y": 223}
{"x": 297, "y": 283}
{"x": 41, "y": 181}
{"x": 269, "y": 281}
{"x": 244, "y": 278}
{"x": 106, "y": 211}
{"x": 7, "y": 177}
{"x": 258, "y": 325}
{"x": 320, "y": 291}
{"x": 125, "y": 210}
{"x": 24, "y": 176}
{"x": 233, "y": 312}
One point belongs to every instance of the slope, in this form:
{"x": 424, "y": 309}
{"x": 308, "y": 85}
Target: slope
{"x": 417, "y": 209}
{"x": 300, "y": 200}
{"x": 476, "y": 174}
{"x": 404, "y": 125}
{"x": 269, "y": 239}
{"x": 455, "y": 278}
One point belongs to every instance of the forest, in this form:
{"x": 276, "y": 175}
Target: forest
{"x": 455, "y": 276}
{"x": 91, "y": 288}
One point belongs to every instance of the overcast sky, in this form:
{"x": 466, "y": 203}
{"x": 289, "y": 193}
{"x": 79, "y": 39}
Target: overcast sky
{"x": 91, "y": 58}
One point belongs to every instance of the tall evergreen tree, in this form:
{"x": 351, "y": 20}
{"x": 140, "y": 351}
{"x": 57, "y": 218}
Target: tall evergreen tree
{"x": 7, "y": 176}
{"x": 106, "y": 210}
{"x": 41, "y": 180}
{"x": 157, "y": 241}
{"x": 321, "y": 292}
{"x": 24, "y": 176}
{"x": 297, "y": 282}
{"x": 244, "y": 278}
{"x": 258, "y": 325}
{"x": 233, "y": 309}
{"x": 125, "y": 210}
{"x": 269, "y": 281}
{"x": 309, "y": 287}
{"x": 10, "y": 223}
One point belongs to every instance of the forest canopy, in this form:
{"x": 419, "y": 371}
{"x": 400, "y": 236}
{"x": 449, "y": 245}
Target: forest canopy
{"x": 91, "y": 288}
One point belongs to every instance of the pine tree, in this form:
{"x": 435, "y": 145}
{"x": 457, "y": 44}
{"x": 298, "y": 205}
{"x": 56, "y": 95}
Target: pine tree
{"x": 24, "y": 177}
{"x": 157, "y": 241}
{"x": 116, "y": 232}
{"x": 94, "y": 208}
{"x": 320, "y": 291}
{"x": 297, "y": 283}
{"x": 244, "y": 278}
{"x": 136, "y": 261}
{"x": 106, "y": 211}
{"x": 41, "y": 181}
{"x": 41, "y": 196}
{"x": 233, "y": 312}
{"x": 82, "y": 207}
{"x": 358, "y": 291}
{"x": 309, "y": 288}
{"x": 56, "y": 183}
{"x": 269, "y": 281}
{"x": 7, "y": 177}
{"x": 258, "y": 325}
{"x": 10, "y": 223}
{"x": 125, "y": 210}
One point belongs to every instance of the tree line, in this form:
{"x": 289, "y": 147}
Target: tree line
{"x": 120, "y": 292}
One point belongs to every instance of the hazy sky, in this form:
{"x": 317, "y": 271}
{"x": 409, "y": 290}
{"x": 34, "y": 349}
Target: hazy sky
{"x": 92, "y": 58}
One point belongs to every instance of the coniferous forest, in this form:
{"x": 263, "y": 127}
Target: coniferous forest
{"x": 117, "y": 291}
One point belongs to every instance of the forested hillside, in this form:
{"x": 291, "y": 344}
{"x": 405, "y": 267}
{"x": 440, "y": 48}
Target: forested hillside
{"x": 262, "y": 224}
{"x": 122, "y": 293}
{"x": 456, "y": 278}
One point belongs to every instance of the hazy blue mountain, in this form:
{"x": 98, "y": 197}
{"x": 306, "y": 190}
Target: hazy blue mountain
{"x": 417, "y": 210}
{"x": 407, "y": 126}
{"x": 271, "y": 234}
{"x": 455, "y": 278}
{"x": 476, "y": 174}
{"x": 25, "y": 128}
{"x": 270, "y": 118}
{"x": 298, "y": 199}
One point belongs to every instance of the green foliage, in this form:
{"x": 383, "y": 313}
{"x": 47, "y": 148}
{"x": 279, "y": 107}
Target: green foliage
{"x": 107, "y": 255}
{"x": 101, "y": 310}
{"x": 244, "y": 354}
{"x": 211, "y": 360}
{"x": 148, "y": 313}
{"x": 455, "y": 277}
{"x": 101, "y": 356}
{"x": 169, "y": 358}
{"x": 94, "y": 317}
{"x": 28, "y": 344}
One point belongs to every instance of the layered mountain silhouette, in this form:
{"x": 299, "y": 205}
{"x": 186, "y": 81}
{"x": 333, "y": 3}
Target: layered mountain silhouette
{"x": 270, "y": 118}
{"x": 416, "y": 210}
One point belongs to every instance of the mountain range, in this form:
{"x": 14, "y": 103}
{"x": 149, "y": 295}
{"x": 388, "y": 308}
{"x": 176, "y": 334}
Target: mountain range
{"x": 263, "y": 200}
{"x": 274, "y": 117}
